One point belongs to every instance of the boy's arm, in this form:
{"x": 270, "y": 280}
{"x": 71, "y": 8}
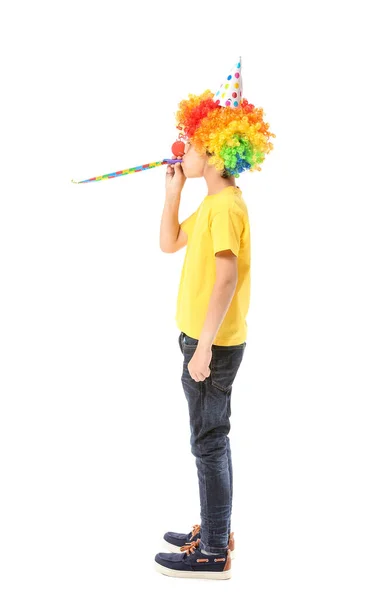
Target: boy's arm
{"x": 221, "y": 296}
{"x": 182, "y": 235}
{"x": 170, "y": 226}
{"x": 226, "y": 231}
{"x": 180, "y": 242}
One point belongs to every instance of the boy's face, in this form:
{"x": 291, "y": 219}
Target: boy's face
{"x": 193, "y": 163}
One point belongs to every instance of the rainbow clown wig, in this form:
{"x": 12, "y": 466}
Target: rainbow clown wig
{"x": 226, "y": 126}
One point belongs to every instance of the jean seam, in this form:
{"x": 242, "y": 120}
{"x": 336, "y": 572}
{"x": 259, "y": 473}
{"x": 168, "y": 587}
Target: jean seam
{"x": 203, "y": 530}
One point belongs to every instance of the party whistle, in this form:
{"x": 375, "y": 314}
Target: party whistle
{"x": 177, "y": 149}
{"x": 165, "y": 161}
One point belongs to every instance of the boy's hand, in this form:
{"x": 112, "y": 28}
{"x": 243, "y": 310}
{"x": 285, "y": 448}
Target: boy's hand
{"x": 198, "y": 366}
{"x": 175, "y": 178}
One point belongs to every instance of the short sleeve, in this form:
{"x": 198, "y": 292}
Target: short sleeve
{"x": 188, "y": 224}
{"x": 226, "y": 230}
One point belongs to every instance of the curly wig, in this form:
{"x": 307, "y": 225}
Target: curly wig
{"x": 235, "y": 139}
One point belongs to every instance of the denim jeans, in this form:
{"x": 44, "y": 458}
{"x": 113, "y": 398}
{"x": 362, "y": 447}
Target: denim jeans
{"x": 209, "y": 404}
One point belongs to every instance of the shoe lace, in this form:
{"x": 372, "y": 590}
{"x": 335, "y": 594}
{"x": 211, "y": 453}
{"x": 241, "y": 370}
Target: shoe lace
{"x": 190, "y": 547}
{"x": 195, "y": 530}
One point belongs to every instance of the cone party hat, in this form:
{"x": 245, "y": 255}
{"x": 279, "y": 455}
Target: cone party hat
{"x": 230, "y": 91}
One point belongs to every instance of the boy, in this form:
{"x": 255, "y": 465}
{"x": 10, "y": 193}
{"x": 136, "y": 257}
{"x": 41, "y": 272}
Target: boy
{"x": 212, "y": 304}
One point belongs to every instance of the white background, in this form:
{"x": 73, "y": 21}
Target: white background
{"x": 94, "y": 432}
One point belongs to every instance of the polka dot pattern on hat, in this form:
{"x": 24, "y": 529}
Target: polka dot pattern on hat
{"x": 230, "y": 91}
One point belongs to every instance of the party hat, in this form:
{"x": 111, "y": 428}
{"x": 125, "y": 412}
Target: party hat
{"x": 230, "y": 92}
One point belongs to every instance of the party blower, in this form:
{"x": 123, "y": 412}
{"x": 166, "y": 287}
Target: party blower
{"x": 178, "y": 149}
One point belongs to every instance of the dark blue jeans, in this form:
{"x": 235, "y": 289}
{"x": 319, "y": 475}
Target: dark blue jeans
{"x": 209, "y": 404}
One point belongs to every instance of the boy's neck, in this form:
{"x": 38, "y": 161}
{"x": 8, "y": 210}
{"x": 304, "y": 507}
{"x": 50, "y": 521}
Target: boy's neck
{"x": 216, "y": 186}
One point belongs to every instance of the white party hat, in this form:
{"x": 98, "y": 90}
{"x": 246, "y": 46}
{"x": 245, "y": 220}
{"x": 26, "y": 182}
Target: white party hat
{"x": 230, "y": 92}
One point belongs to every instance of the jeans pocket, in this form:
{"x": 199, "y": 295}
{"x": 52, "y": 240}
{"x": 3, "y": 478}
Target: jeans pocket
{"x": 180, "y": 342}
{"x": 189, "y": 346}
{"x": 224, "y": 366}
{"x": 189, "y": 342}
{"x": 188, "y": 351}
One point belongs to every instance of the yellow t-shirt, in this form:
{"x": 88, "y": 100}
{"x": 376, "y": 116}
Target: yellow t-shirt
{"x": 220, "y": 223}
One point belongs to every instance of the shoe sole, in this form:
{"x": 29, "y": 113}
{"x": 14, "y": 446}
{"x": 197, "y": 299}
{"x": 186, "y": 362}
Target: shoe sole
{"x": 173, "y": 548}
{"x": 192, "y": 574}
